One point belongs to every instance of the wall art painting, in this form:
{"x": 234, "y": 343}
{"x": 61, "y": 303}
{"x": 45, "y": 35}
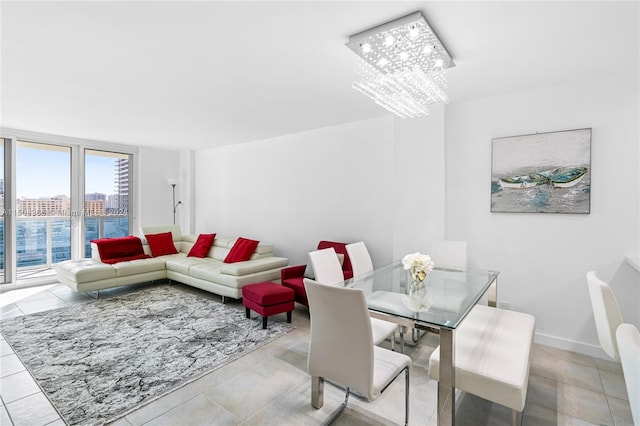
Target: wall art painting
{"x": 542, "y": 173}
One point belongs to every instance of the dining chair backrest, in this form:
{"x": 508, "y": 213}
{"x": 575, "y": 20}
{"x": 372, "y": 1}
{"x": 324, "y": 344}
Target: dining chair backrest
{"x": 628, "y": 338}
{"x": 326, "y": 266}
{"x": 361, "y": 262}
{"x": 449, "y": 254}
{"x": 606, "y": 314}
{"x": 341, "y": 345}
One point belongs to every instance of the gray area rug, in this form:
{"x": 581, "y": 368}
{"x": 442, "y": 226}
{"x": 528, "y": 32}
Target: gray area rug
{"x": 102, "y": 359}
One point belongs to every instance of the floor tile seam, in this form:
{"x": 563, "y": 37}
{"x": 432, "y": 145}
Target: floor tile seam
{"x": 39, "y": 391}
{"x": 611, "y": 415}
{"x": 54, "y": 421}
{"x": 558, "y": 410}
{"x": 60, "y": 299}
{"x": 271, "y": 400}
{"x": 604, "y": 389}
{"x": 211, "y": 400}
{"x": 559, "y": 380}
{"x": 6, "y": 410}
{"x": 125, "y": 417}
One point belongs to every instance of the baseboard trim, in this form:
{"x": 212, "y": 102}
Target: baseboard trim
{"x": 571, "y": 345}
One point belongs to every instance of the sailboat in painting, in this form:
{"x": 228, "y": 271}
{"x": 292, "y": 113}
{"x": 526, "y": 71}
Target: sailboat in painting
{"x": 567, "y": 178}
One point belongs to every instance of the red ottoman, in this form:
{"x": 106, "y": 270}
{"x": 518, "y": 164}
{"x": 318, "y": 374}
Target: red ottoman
{"x": 268, "y": 299}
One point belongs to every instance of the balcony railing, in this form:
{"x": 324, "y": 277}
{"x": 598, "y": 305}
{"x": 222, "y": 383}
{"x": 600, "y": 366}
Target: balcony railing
{"x": 44, "y": 241}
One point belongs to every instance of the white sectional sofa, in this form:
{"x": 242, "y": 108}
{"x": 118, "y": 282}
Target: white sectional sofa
{"x": 209, "y": 273}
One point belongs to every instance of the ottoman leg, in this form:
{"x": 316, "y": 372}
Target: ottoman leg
{"x": 247, "y": 312}
{"x": 289, "y": 316}
{"x": 264, "y": 322}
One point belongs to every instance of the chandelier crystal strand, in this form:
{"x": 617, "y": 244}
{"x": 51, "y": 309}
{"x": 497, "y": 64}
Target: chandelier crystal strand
{"x": 402, "y": 66}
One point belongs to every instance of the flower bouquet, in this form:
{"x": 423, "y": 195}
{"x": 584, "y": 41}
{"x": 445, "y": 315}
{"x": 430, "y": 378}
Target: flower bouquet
{"x": 419, "y": 266}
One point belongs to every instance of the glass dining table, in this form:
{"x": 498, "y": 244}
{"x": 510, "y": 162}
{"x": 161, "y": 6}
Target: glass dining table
{"x": 450, "y": 295}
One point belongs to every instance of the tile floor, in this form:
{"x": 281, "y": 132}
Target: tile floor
{"x": 270, "y": 386}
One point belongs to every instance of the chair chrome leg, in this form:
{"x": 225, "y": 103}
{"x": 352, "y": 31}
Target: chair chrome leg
{"x": 393, "y": 342}
{"x": 406, "y": 397}
{"x": 401, "y": 339}
{"x": 340, "y": 409}
{"x": 317, "y": 391}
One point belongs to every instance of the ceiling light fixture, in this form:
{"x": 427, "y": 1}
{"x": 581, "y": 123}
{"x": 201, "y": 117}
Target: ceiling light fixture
{"x": 402, "y": 67}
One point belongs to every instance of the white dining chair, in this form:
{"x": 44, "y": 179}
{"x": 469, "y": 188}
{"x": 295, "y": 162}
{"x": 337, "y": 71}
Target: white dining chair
{"x": 361, "y": 264}
{"x": 326, "y": 266}
{"x": 628, "y": 338}
{"x": 327, "y": 270}
{"x": 606, "y": 314}
{"x": 449, "y": 254}
{"x": 341, "y": 348}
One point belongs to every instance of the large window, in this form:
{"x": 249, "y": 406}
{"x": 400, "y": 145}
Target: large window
{"x": 43, "y": 207}
{"x": 106, "y": 198}
{"x": 55, "y": 197}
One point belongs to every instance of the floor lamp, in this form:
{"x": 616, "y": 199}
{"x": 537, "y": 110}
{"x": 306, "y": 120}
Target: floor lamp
{"x": 172, "y": 182}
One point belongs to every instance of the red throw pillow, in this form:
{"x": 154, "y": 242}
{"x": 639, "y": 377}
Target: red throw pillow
{"x": 241, "y": 250}
{"x": 161, "y": 244}
{"x": 202, "y": 245}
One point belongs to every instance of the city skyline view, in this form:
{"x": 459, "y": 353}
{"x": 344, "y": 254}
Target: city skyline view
{"x": 34, "y": 181}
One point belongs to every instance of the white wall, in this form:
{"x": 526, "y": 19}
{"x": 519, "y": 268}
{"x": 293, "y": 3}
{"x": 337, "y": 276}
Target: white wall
{"x": 155, "y": 166}
{"x": 543, "y": 258}
{"x": 378, "y": 180}
{"x": 419, "y": 196}
{"x": 333, "y": 183}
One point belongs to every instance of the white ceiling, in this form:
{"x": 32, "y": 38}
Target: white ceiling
{"x": 188, "y": 75}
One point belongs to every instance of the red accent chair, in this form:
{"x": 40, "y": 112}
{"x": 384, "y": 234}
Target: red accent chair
{"x": 293, "y": 276}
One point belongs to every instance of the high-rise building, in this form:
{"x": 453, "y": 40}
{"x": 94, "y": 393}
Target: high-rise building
{"x": 122, "y": 184}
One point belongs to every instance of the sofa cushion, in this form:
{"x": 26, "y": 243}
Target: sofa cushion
{"x": 242, "y": 250}
{"x": 183, "y": 264}
{"x": 85, "y": 270}
{"x": 161, "y": 244}
{"x": 111, "y": 249}
{"x": 139, "y": 266}
{"x": 209, "y": 271}
{"x": 202, "y": 245}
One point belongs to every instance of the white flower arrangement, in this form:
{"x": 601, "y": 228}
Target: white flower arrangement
{"x": 418, "y": 264}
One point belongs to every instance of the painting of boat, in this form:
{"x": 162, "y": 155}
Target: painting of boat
{"x": 522, "y": 182}
{"x": 542, "y": 172}
{"x": 567, "y": 178}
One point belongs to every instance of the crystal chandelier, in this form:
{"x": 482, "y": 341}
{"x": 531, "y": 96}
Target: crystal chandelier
{"x": 403, "y": 65}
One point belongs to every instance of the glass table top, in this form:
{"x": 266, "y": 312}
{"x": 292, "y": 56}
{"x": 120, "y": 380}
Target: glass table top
{"x": 450, "y": 293}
